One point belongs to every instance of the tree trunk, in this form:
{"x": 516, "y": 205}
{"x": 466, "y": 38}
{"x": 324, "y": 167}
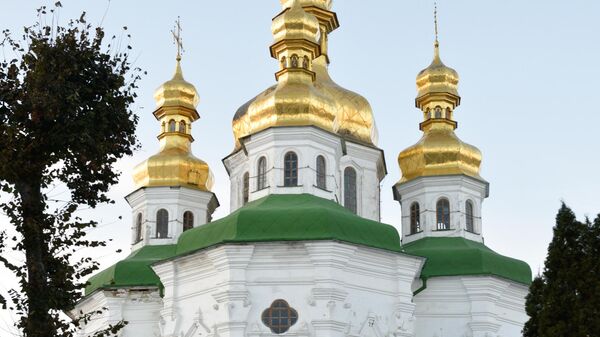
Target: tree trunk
{"x": 39, "y": 322}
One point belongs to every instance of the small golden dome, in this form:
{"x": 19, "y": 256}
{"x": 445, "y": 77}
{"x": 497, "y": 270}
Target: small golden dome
{"x": 174, "y": 164}
{"x": 177, "y": 92}
{"x": 294, "y": 23}
{"x": 437, "y": 79}
{"x": 439, "y": 152}
{"x": 323, "y": 4}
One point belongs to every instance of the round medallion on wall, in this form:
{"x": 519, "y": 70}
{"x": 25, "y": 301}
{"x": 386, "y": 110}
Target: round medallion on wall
{"x": 279, "y": 317}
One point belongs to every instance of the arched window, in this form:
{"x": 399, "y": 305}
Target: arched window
{"x": 470, "y": 217}
{"x": 283, "y": 62}
{"x": 350, "y": 189}
{"x": 138, "y": 228}
{"x": 261, "y": 177}
{"x": 290, "y": 169}
{"x": 415, "y": 218}
{"x": 188, "y": 220}
{"x": 321, "y": 173}
{"x": 294, "y": 59}
{"x": 182, "y": 127}
{"x": 443, "y": 214}
{"x": 246, "y": 187}
{"x": 162, "y": 224}
{"x": 438, "y": 112}
{"x": 172, "y": 126}
{"x": 305, "y": 62}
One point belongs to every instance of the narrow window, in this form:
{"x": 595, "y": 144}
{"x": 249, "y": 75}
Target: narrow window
{"x": 261, "y": 179}
{"x": 138, "y": 228}
{"x": 305, "y": 62}
{"x": 283, "y": 62}
{"x": 470, "y": 218}
{"x": 321, "y": 173}
{"x": 162, "y": 224}
{"x": 415, "y": 218}
{"x": 438, "y": 112}
{"x": 443, "y": 214}
{"x": 290, "y": 169}
{"x": 188, "y": 220}
{"x": 246, "y": 187}
{"x": 350, "y": 189}
{"x": 294, "y": 59}
{"x": 182, "y": 127}
{"x": 172, "y": 126}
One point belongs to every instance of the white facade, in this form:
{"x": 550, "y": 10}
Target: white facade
{"x": 427, "y": 191}
{"x": 337, "y": 289}
{"x": 307, "y": 143}
{"x": 147, "y": 201}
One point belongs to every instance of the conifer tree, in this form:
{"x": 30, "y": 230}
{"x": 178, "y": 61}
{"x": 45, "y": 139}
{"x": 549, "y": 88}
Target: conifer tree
{"x": 65, "y": 119}
{"x": 564, "y": 299}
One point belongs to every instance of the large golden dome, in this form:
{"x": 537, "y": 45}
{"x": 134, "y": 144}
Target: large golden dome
{"x": 174, "y": 164}
{"x": 321, "y": 103}
{"x": 439, "y": 152}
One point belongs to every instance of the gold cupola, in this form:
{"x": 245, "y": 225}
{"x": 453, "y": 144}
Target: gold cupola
{"x": 344, "y": 112}
{"x": 294, "y": 100}
{"x": 439, "y": 151}
{"x": 174, "y": 164}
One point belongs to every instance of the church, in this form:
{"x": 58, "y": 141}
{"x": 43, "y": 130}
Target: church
{"x": 303, "y": 252}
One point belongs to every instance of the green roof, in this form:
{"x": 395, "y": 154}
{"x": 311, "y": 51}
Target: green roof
{"x": 290, "y": 217}
{"x": 277, "y": 217}
{"x": 459, "y": 256}
{"x": 133, "y": 271}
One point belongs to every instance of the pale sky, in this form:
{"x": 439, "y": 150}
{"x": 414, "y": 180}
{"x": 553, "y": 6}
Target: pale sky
{"x": 528, "y": 84}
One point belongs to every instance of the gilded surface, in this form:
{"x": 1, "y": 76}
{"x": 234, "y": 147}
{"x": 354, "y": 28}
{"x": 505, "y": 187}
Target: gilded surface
{"x": 174, "y": 164}
{"x": 300, "y": 100}
{"x": 439, "y": 151}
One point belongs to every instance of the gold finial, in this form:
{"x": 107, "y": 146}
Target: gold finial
{"x": 435, "y": 21}
{"x": 177, "y": 38}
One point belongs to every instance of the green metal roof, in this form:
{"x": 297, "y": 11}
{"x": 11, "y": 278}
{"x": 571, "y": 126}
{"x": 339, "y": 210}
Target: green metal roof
{"x": 134, "y": 270}
{"x": 277, "y": 217}
{"x": 459, "y": 256}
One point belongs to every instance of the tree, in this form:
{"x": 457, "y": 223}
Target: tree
{"x": 65, "y": 119}
{"x": 565, "y": 299}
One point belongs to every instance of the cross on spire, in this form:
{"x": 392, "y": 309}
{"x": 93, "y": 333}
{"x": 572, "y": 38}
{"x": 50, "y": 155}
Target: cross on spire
{"x": 177, "y": 38}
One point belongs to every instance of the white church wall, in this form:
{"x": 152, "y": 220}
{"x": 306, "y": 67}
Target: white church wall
{"x": 308, "y": 143}
{"x": 470, "y": 306}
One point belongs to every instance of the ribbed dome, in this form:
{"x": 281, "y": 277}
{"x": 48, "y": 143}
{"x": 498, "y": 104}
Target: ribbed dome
{"x": 177, "y": 92}
{"x": 323, "y": 4}
{"x": 439, "y": 152}
{"x": 295, "y": 24}
{"x": 354, "y": 116}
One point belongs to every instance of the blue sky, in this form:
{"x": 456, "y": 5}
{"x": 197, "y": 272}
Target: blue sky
{"x": 528, "y": 85}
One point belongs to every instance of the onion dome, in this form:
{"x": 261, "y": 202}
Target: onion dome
{"x": 351, "y": 113}
{"x": 174, "y": 164}
{"x": 439, "y": 151}
{"x": 294, "y": 101}
{"x": 323, "y": 4}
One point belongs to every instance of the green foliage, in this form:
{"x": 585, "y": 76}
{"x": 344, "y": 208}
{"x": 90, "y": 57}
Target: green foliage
{"x": 65, "y": 119}
{"x": 565, "y": 299}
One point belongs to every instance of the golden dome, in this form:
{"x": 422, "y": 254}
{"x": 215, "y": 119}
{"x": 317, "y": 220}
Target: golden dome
{"x": 323, "y": 4}
{"x": 294, "y": 23}
{"x": 174, "y": 164}
{"x": 439, "y": 151}
{"x": 354, "y": 116}
{"x": 323, "y": 103}
{"x": 177, "y": 92}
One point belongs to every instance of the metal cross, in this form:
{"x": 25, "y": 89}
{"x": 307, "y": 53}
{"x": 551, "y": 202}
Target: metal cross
{"x": 177, "y": 38}
{"x": 435, "y": 20}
